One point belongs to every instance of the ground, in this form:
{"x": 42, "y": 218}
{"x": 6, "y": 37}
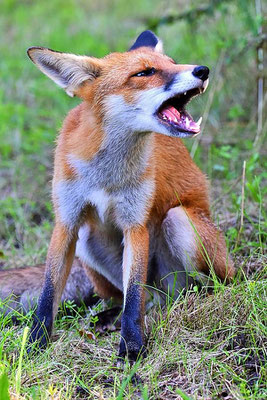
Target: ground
{"x": 205, "y": 345}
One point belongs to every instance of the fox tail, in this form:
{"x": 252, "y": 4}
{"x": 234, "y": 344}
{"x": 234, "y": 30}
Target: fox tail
{"x": 20, "y": 288}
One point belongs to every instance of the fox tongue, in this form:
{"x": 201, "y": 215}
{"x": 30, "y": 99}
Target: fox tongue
{"x": 171, "y": 113}
{"x": 181, "y": 119}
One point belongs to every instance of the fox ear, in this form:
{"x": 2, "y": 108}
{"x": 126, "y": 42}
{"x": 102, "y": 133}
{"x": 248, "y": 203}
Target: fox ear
{"x": 67, "y": 70}
{"x": 148, "y": 39}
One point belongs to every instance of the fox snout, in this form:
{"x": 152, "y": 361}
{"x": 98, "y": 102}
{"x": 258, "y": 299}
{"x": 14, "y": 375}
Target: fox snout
{"x": 201, "y": 72}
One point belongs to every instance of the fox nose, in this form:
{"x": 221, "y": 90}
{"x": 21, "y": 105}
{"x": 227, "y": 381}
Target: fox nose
{"x": 201, "y": 72}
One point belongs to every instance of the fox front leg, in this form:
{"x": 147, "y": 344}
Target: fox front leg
{"x": 58, "y": 264}
{"x": 135, "y": 262}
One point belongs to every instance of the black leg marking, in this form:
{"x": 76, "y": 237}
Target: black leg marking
{"x": 108, "y": 320}
{"x": 132, "y": 342}
{"x": 43, "y": 321}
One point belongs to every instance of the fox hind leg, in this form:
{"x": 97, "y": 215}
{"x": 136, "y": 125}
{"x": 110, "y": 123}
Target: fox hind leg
{"x": 191, "y": 244}
{"x": 102, "y": 286}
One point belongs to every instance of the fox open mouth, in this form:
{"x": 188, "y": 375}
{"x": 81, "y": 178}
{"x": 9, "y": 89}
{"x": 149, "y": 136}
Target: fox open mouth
{"x": 172, "y": 113}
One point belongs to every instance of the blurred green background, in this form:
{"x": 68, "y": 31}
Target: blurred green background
{"x": 221, "y": 34}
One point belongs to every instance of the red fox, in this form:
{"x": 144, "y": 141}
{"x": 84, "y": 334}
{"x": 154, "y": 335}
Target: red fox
{"x": 128, "y": 199}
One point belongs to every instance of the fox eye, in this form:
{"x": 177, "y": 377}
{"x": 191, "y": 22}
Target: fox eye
{"x": 146, "y": 72}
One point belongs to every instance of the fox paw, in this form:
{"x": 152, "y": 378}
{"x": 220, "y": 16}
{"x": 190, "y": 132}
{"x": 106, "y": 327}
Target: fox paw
{"x": 133, "y": 351}
{"x": 38, "y": 338}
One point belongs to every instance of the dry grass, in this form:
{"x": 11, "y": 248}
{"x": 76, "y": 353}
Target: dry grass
{"x": 209, "y": 346}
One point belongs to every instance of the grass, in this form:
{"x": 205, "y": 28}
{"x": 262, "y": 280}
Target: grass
{"x": 201, "y": 346}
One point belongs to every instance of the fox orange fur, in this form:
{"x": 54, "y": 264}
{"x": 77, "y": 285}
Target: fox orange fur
{"x": 128, "y": 199}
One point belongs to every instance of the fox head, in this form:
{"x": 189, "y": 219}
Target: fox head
{"x": 141, "y": 90}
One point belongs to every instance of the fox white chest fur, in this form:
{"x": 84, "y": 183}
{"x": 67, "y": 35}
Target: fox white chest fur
{"x": 110, "y": 181}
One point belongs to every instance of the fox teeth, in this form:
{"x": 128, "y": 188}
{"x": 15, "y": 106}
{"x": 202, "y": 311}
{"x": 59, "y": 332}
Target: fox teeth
{"x": 187, "y": 123}
{"x": 185, "y": 93}
{"x": 164, "y": 117}
{"x": 205, "y": 85}
{"x": 199, "y": 121}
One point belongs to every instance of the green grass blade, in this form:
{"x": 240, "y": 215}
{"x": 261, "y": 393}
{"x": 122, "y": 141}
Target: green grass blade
{"x": 4, "y": 387}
